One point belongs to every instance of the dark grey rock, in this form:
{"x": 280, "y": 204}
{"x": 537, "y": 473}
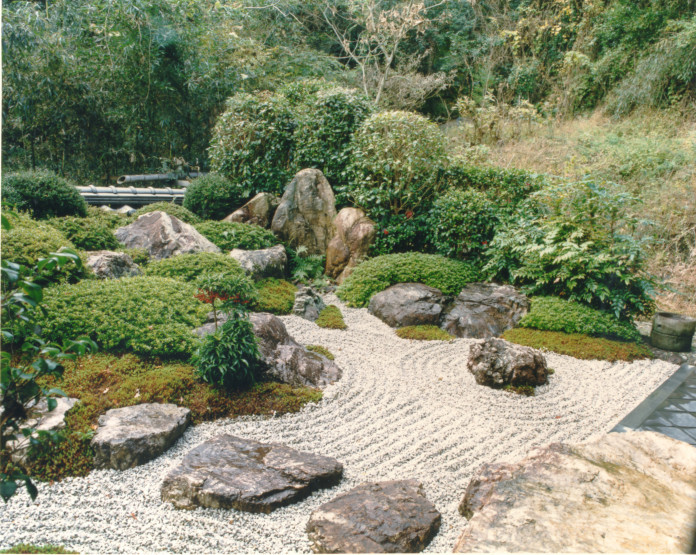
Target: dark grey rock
{"x": 382, "y": 517}
{"x": 132, "y": 436}
{"x": 229, "y": 472}
{"x": 259, "y": 210}
{"x": 308, "y": 304}
{"x": 495, "y": 362}
{"x": 407, "y": 304}
{"x": 112, "y": 265}
{"x": 485, "y": 310}
{"x": 262, "y": 263}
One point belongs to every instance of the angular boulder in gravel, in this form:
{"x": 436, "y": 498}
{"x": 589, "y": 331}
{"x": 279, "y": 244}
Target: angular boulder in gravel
{"x": 308, "y": 304}
{"x": 621, "y": 492}
{"x": 495, "y": 362}
{"x": 355, "y": 232}
{"x": 229, "y": 472}
{"x": 259, "y": 210}
{"x": 162, "y": 236}
{"x": 306, "y": 212}
{"x": 287, "y": 360}
{"x": 131, "y": 436}
{"x": 112, "y": 265}
{"x": 262, "y": 263}
{"x": 484, "y": 310}
{"x": 381, "y": 517}
{"x": 407, "y": 304}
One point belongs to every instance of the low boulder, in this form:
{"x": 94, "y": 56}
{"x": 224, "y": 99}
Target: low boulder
{"x": 381, "y": 517}
{"x": 229, "y": 472}
{"x": 112, "y": 265}
{"x": 355, "y": 233}
{"x": 126, "y": 210}
{"x": 270, "y": 262}
{"x": 621, "y": 492}
{"x": 288, "y": 361}
{"x": 495, "y": 362}
{"x": 131, "y": 436}
{"x": 308, "y": 304}
{"x": 163, "y": 235}
{"x": 484, "y": 310}
{"x": 259, "y": 210}
{"x": 407, "y": 304}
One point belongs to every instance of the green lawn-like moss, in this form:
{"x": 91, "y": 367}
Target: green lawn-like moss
{"x": 29, "y": 548}
{"x": 331, "y": 318}
{"x": 321, "y": 350}
{"x": 424, "y": 333}
{"x": 276, "y": 296}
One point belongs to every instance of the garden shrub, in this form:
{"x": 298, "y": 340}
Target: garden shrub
{"x": 176, "y": 210}
{"x": 577, "y": 345}
{"x": 555, "y": 314}
{"x": 188, "y": 267}
{"x": 424, "y": 333}
{"x": 375, "y": 275}
{"x": 212, "y": 197}
{"x": 406, "y": 232}
{"x": 43, "y": 193}
{"x": 150, "y": 316}
{"x": 236, "y": 235}
{"x": 140, "y": 256}
{"x": 233, "y": 293}
{"x": 252, "y": 143}
{"x": 331, "y": 318}
{"x": 112, "y": 220}
{"x": 321, "y": 350}
{"x": 90, "y": 234}
{"x": 276, "y": 296}
{"x": 394, "y": 154}
{"x": 305, "y": 267}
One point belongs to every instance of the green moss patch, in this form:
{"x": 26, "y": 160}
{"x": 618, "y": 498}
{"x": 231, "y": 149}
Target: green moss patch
{"x": 424, "y": 333}
{"x": 276, "y": 296}
{"x": 321, "y": 350}
{"x": 331, "y": 318}
{"x": 578, "y": 345}
{"x": 526, "y": 390}
{"x": 29, "y": 548}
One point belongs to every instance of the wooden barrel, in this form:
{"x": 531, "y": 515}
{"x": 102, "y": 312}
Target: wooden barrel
{"x": 672, "y": 332}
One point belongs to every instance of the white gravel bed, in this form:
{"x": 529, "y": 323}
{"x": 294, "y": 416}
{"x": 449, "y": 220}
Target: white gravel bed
{"x": 403, "y": 409}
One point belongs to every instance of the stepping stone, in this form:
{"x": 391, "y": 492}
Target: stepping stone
{"x": 229, "y": 472}
{"x": 381, "y": 517}
{"x": 132, "y": 436}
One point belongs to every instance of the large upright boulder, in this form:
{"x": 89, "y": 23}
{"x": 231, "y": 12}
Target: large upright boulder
{"x": 112, "y": 265}
{"x": 355, "y": 233}
{"x": 407, "y": 304}
{"x": 621, "y": 492}
{"x": 495, "y": 362}
{"x": 163, "y": 235}
{"x": 259, "y": 210}
{"x": 306, "y": 212}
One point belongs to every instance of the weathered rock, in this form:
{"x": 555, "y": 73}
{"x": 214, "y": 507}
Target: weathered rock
{"x": 41, "y": 419}
{"x": 132, "y": 436}
{"x": 622, "y": 492}
{"x": 306, "y": 212}
{"x": 308, "y": 304}
{"x": 229, "y": 472}
{"x": 382, "y": 517}
{"x": 270, "y": 262}
{"x": 495, "y": 362}
{"x": 126, "y": 210}
{"x": 485, "y": 310}
{"x": 163, "y": 236}
{"x": 407, "y": 304}
{"x": 287, "y": 360}
{"x": 259, "y": 210}
{"x": 355, "y": 232}
{"x": 112, "y": 265}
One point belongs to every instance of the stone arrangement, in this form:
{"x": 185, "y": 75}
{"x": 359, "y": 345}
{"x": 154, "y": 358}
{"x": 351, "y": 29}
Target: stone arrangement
{"x": 495, "y": 362}
{"x": 308, "y": 304}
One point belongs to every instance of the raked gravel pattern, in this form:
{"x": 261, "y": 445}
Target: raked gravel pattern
{"x": 403, "y": 409}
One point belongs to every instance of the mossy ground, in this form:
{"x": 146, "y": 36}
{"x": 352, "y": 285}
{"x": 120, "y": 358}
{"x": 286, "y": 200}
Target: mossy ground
{"x": 104, "y": 381}
{"x": 424, "y": 333}
{"x": 29, "y": 548}
{"x": 577, "y": 345}
{"x": 276, "y": 296}
{"x": 331, "y": 318}
{"x": 321, "y": 350}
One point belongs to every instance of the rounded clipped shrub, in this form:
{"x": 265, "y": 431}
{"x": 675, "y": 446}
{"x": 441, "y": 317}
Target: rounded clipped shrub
{"x": 90, "y": 234}
{"x": 375, "y": 275}
{"x": 252, "y": 143}
{"x": 395, "y": 155}
{"x": 212, "y": 197}
{"x": 189, "y": 267}
{"x": 555, "y": 314}
{"x": 236, "y": 235}
{"x": 150, "y": 316}
{"x": 276, "y": 296}
{"x": 176, "y": 210}
{"x": 43, "y": 193}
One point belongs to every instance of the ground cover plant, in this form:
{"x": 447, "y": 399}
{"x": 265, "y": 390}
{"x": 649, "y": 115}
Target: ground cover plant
{"x": 376, "y": 274}
{"x": 331, "y": 318}
{"x": 276, "y": 296}
{"x": 31, "y": 548}
{"x": 424, "y": 333}
{"x": 88, "y": 233}
{"x": 43, "y": 194}
{"x": 236, "y": 235}
{"x": 171, "y": 208}
{"x": 188, "y": 267}
{"x": 320, "y": 350}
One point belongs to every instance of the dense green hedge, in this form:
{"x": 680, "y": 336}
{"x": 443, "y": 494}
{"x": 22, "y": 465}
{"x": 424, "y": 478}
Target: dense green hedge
{"x": 555, "y": 314}
{"x": 170, "y": 208}
{"x": 375, "y": 275}
{"x": 150, "y": 316}
{"x": 188, "y": 267}
{"x": 90, "y": 233}
{"x": 212, "y": 197}
{"x": 235, "y": 235}
{"x": 43, "y": 193}
{"x": 511, "y": 185}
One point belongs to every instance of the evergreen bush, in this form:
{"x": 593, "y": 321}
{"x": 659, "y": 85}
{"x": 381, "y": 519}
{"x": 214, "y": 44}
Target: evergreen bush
{"x": 43, "y": 193}
{"x": 236, "y": 235}
{"x": 212, "y": 197}
{"x": 90, "y": 234}
{"x": 189, "y": 267}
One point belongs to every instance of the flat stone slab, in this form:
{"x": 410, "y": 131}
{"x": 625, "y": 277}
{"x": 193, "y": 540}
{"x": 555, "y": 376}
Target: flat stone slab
{"x": 622, "y": 492}
{"x": 131, "y": 436}
{"x": 380, "y": 517}
{"x": 229, "y": 472}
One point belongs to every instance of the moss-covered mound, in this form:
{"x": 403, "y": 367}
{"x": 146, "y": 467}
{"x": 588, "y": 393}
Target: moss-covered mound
{"x": 321, "y": 350}
{"x": 188, "y": 267}
{"x": 276, "y": 296}
{"x": 331, "y": 318}
{"x": 424, "y": 333}
{"x": 235, "y": 235}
